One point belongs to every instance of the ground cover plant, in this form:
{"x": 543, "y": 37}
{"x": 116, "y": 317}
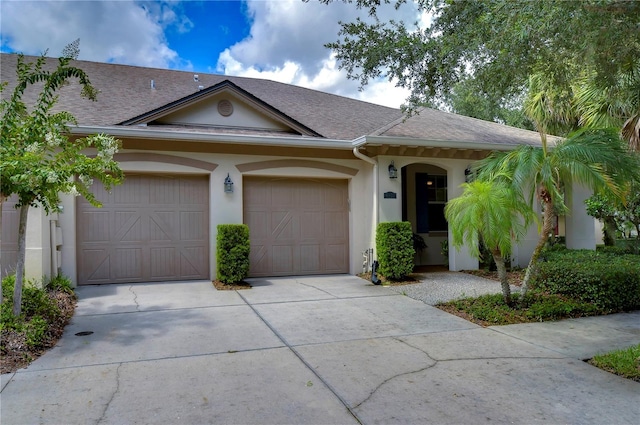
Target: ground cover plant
{"x": 625, "y": 362}
{"x": 490, "y": 310}
{"x": 45, "y": 313}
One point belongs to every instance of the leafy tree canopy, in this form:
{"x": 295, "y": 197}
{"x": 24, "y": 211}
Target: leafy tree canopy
{"x": 497, "y": 43}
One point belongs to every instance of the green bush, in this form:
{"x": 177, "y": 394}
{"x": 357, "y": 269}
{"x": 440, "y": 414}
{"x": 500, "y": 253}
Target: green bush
{"x": 232, "y": 252}
{"x": 394, "y": 242}
{"x": 39, "y": 309}
{"x": 609, "y": 281}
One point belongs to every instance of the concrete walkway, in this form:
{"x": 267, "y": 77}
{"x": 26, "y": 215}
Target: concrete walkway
{"x": 313, "y": 350}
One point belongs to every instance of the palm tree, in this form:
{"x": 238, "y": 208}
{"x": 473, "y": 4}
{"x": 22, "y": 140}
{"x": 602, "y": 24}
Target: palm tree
{"x": 493, "y": 212}
{"x": 597, "y": 159}
{"x": 614, "y": 103}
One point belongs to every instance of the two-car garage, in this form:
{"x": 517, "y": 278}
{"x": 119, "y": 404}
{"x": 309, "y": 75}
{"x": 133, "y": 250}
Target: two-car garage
{"x": 157, "y": 228}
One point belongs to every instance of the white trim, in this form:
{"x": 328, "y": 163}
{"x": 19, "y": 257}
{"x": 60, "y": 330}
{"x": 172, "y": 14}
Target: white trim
{"x": 240, "y": 139}
{"x": 404, "y": 141}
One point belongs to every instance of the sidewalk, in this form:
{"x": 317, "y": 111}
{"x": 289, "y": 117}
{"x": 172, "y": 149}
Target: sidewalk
{"x": 313, "y": 350}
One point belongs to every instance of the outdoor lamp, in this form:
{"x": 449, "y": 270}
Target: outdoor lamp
{"x": 393, "y": 171}
{"x": 228, "y": 184}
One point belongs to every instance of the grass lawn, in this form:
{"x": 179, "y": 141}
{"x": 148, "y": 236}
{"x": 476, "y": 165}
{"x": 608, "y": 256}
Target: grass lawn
{"x": 625, "y": 363}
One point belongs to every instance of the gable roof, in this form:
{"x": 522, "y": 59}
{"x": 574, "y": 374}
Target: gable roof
{"x": 128, "y": 96}
{"x": 227, "y": 87}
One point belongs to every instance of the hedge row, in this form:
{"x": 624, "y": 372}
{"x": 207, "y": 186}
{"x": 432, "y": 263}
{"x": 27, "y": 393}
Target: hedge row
{"x": 608, "y": 280}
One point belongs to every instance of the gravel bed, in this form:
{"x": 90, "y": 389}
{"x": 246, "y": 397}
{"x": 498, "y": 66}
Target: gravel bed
{"x": 441, "y": 287}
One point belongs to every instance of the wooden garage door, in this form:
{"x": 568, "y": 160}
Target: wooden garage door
{"x": 297, "y": 226}
{"x": 9, "y": 236}
{"x": 151, "y": 228}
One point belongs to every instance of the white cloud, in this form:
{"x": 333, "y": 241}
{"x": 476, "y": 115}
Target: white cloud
{"x": 286, "y": 44}
{"x": 109, "y": 31}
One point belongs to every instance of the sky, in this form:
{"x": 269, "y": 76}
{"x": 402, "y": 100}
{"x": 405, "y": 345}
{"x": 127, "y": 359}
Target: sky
{"x": 281, "y": 40}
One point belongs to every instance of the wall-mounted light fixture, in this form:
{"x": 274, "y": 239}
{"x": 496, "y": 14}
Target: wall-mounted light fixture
{"x": 393, "y": 171}
{"x": 228, "y": 184}
{"x": 468, "y": 174}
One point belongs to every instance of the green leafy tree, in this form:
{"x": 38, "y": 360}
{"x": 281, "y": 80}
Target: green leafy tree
{"x": 493, "y": 213}
{"x": 618, "y": 217}
{"x": 497, "y": 43}
{"x": 466, "y": 98}
{"x": 597, "y": 159}
{"x": 39, "y": 159}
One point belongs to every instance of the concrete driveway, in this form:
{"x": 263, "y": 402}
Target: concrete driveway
{"x": 313, "y": 350}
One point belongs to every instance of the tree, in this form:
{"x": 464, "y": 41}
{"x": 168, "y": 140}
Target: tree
{"x": 497, "y": 43}
{"x": 618, "y": 217}
{"x": 491, "y": 212}
{"x": 597, "y": 159}
{"x": 39, "y": 160}
{"x": 466, "y": 98}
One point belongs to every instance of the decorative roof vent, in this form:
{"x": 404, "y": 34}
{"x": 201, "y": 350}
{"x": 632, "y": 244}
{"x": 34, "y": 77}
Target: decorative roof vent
{"x": 196, "y": 78}
{"x": 225, "y": 107}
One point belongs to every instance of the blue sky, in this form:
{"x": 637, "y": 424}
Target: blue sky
{"x": 281, "y": 40}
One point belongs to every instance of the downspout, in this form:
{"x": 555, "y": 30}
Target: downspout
{"x": 373, "y": 162}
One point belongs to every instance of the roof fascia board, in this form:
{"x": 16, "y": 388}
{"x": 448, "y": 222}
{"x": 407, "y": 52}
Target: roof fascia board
{"x": 400, "y": 141}
{"x": 221, "y": 87}
{"x": 146, "y": 133}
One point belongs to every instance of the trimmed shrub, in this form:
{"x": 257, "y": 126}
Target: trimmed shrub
{"x": 610, "y": 281}
{"x": 232, "y": 252}
{"x": 394, "y": 242}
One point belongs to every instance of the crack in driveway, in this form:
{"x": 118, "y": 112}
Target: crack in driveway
{"x": 113, "y": 395}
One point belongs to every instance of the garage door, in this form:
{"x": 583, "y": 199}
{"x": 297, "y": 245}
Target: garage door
{"x": 151, "y": 228}
{"x": 9, "y": 243}
{"x": 297, "y": 226}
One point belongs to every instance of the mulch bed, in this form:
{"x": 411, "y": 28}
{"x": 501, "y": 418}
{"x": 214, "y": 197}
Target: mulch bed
{"x": 14, "y": 352}
{"x": 514, "y": 277}
{"x": 231, "y": 286}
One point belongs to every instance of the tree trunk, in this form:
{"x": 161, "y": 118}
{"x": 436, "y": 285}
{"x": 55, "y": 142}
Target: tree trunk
{"x": 547, "y": 228}
{"x": 22, "y": 237}
{"x": 502, "y": 274}
{"x": 609, "y": 231}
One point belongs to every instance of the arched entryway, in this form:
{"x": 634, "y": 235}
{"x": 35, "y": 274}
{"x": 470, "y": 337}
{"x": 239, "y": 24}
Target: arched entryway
{"x": 424, "y": 195}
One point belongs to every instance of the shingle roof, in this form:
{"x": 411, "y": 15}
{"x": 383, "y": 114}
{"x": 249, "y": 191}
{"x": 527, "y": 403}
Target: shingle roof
{"x": 125, "y": 92}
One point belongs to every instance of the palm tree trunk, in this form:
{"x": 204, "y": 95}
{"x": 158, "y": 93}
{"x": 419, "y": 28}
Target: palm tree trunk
{"x": 22, "y": 236}
{"x": 502, "y": 275}
{"x": 547, "y": 228}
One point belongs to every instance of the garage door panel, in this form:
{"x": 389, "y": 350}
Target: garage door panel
{"x": 292, "y": 225}
{"x": 127, "y": 264}
{"x": 310, "y": 258}
{"x": 282, "y": 225}
{"x": 335, "y": 224}
{"x": 282, "y": 258}
{"x": 336, "y": 257}
{"x": 141, "y": 240}
{"x": 312, "y": 225}
{"x": 191, "y": 224}
{"x": 161, "y": 225}
{"x": 9, "y": 243}
{"x": 191, "y": 261}
{"x": 96, "y": 264}
{"x": 96, "y": 226}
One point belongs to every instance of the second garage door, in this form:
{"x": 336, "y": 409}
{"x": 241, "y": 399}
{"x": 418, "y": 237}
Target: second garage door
{"x": 297, "y": 226}
{"x": 151, "y": 228}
